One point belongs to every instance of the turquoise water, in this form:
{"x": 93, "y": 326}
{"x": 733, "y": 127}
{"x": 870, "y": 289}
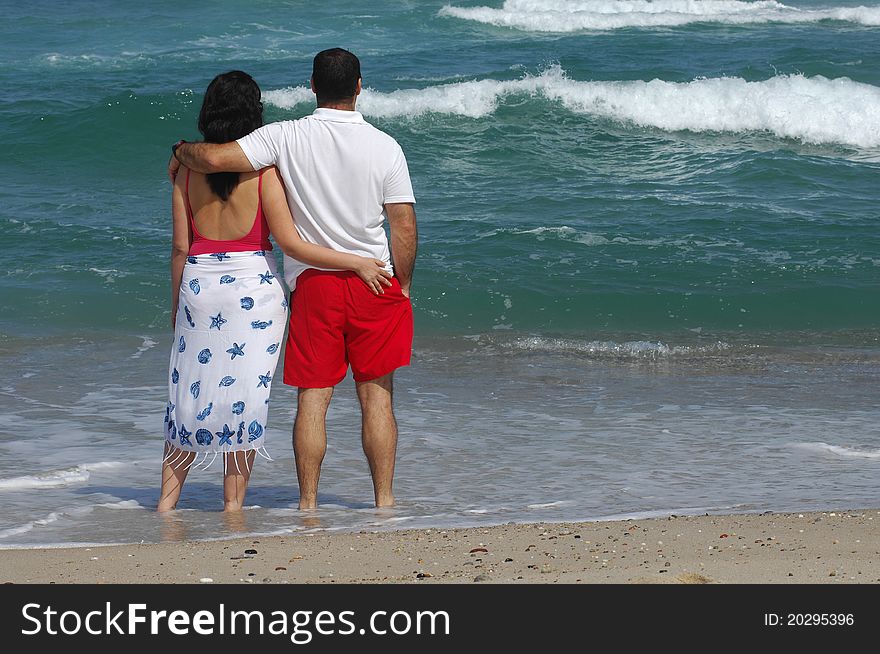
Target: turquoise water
{"x": 623, "y": 207}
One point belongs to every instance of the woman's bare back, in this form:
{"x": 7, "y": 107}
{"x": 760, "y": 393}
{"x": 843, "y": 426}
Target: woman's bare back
{"x": 220, "y": 220}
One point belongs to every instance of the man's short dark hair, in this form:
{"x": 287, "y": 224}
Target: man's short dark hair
{"x": 335, "y": 73}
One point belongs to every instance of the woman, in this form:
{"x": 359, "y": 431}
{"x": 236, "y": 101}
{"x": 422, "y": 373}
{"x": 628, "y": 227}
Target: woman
{"x": 228, "y": 307}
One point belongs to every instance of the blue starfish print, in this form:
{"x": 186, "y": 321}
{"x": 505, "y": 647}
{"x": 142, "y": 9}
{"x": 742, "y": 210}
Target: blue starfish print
{"x": 183, "y": 433}
{"x": 267, "y": 278}
{"x": 217, "y": 321}
{"x": 225, "y": 437}
{"x": 221, "y": 255}
{"x": 264, "y": 380}
{"x": 236, "y": 350}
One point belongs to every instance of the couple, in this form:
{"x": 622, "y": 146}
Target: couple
{"x": 322, "y": 186}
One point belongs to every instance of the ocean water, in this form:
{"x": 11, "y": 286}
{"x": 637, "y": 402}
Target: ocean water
{"x": 648, "y": 278}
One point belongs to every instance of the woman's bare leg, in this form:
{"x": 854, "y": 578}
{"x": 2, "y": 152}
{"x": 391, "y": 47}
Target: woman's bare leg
{"x": 235, "y": 478}
{"x": 174, "y": 470}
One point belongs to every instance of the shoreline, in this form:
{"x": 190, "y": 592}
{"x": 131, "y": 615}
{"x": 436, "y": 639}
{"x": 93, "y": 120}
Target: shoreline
{"x": 810, "y": 547}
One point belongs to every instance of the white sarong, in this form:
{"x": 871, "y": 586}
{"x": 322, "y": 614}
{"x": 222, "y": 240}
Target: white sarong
{"x": 227, "y": 340}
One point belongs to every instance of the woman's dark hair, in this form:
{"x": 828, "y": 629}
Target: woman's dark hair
{"x": 231, "y": 109}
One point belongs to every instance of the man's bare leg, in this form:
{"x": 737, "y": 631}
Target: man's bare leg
{"x": 310, "y": 441}
{"x": 379, "y": 434}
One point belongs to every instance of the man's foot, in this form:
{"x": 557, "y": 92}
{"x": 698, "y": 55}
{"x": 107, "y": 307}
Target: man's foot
{"x": 385, "y": 502}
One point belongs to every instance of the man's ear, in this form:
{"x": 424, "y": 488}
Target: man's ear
{"x": 312, "y": 85}
{"x": 358, "y": 91}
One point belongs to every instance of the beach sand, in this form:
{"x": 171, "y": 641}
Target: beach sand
{"x": 817, "y": 547}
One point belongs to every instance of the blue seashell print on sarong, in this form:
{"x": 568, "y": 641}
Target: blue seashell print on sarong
{"x": 194, "y": 388}
{"x": 205, "y": 356}
{"x": 228, "y": 380}
{"x": 204, "y": 437}
{"x": 265, "y": 379}
{"x": 204, "y": 413}
{"x": 175, "y": 376}
{"x": 192, "y": 260}
{"x": 184, "y": 435}
{"x": 194, "y": 286}
{"x": 260, "y": 253}
{"x": 217, "y": 321}
{"x": 255, "y": 430}
{"x": 238, "y": 408}
{"x": 239, "y": 433}
{"x": 189, "y": 317}
{"x": 225, "y": 437}
{"x": 284, "y": 304}
{"x": 220, "y": 256}
{"x": 267, "y": 278}
{"x": 227, "y": 279}
{"x": 172, "y": 430}
{"x": 247, "y": 303}
{"x": 272, "y": 349}
{"x": 261, "y": 324}
{"x": 181, "y": 346}
{"x": 236, "y": 350}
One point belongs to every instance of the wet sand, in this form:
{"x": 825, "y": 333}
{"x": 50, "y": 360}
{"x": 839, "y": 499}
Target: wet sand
{"x": 818, "y": 547}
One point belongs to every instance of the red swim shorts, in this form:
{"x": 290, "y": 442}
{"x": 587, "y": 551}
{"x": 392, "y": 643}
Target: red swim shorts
{"x": 336, "y": 320}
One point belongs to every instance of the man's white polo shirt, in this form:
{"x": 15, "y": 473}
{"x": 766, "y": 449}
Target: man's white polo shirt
{"x": 339, "y": 172}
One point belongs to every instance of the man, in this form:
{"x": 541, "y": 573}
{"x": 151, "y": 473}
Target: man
{"x": 343, "y": 178}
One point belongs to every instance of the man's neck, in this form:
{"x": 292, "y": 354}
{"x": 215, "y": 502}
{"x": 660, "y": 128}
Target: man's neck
{"x": 340, "y": 106}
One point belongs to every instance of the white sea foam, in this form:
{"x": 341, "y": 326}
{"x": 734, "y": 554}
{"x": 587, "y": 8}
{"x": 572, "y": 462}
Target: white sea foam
{"x": 563, "y": 232}
{"x": 842, "y": 450}
{"x": 814, "y": 110}
{"x": 630, "y": 349}
{"x": 57, "y": 478}
{"x": 124, "y": 504}
{"x": 547, "y": 505}
{"x": 574, "y": 16}
{"x": 110, "y": 275}
{"x": 28, "y": 526}
{"x": 148, "y": 343}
